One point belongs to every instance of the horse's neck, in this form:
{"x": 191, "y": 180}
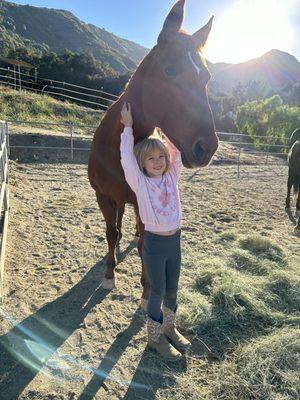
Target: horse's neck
{"x": 133, "y": 95}
{"x": 141, "y": 127}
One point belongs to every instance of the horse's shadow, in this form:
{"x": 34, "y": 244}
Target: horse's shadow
{"x": 26, "y": 348}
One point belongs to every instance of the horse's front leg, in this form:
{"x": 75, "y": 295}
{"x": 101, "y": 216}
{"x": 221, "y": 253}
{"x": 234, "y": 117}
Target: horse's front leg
{"x": 144, "y": 277}
{"x": 109, "y": 211}
{"x": 121, "y": 210}
{"x": 297, "y": 181}
{"x": 289, "y": 187}
{"x": 297, "y": 215}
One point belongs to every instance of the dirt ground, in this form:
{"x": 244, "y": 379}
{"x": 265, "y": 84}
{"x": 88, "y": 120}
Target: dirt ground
{"x": 62, "y": 335}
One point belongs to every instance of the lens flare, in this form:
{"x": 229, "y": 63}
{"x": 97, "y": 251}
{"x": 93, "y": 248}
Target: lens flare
{"x": 37, "y": 355}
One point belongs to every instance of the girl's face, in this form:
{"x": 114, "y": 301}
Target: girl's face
{"x": 155, "y": 163}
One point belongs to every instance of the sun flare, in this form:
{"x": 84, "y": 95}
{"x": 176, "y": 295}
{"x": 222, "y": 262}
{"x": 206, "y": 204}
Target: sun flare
{"x": 250, "y": 28}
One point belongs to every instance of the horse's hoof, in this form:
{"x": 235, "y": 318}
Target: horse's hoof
{"x": 108, "y": 284}
{"x": 144, "y": 304}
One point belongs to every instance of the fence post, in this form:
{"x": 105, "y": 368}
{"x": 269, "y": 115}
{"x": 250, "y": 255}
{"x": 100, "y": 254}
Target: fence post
{"x": 15, "y": 78}
{"x": 268, "y": 149}
{"x": 71, "y": 134}
{"x": 4, "y": 206}
{"x": 7, "y": 138}
{"x": 238, "y": 163}
{"x": 20, "y": 82}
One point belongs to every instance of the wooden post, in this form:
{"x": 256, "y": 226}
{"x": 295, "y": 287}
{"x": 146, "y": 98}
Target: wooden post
{"x": 7, "y": 138}
{"x": 238, "y": 163}
{"x": 4, "y": 201}
{"x": 3, "y": 241}
{"x": 19, "y": 71}
{"x": 15, "y": 79}
{"x": 268, "y": 149}
{"x": 71, "y": 134}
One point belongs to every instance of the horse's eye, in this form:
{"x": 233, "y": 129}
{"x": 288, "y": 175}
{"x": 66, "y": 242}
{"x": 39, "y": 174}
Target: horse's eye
{"x": 170, "y": 71}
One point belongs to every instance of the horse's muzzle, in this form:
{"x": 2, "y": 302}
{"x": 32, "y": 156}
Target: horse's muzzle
{"x": 202, "y": 153}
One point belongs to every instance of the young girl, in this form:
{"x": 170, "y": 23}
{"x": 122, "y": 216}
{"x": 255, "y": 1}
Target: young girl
{"x": 152, "y": 171}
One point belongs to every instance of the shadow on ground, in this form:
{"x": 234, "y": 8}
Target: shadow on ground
{"x": 26, "y": 349}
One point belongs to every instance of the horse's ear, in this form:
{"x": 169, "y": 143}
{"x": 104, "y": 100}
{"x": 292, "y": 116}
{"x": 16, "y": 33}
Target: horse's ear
{"x": 174, "y": 19}
{"x": 200, "y": 37}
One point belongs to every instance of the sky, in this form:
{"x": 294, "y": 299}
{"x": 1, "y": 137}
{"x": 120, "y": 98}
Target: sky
{"x": 242, "y": 29}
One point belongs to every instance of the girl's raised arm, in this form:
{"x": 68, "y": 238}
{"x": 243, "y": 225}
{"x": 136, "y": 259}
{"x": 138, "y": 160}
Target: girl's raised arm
{"x": 128, "y": 161}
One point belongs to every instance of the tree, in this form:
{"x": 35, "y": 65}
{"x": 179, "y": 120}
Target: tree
{"x": 270, "y": 118}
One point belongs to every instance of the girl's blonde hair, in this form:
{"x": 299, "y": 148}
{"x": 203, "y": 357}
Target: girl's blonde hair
{"x": 149, "y": 145}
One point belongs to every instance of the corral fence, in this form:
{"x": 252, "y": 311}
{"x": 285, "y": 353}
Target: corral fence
{"x": 236, "y": 149}
{"x": 84, "y": 96}
{"x": 50, "y": 139}
{"x": 4, "y": 197}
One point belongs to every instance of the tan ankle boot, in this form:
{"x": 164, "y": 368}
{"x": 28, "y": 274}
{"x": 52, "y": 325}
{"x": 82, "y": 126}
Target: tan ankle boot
{"x": 158, "y": 341}
{"x": 169, "y": 329}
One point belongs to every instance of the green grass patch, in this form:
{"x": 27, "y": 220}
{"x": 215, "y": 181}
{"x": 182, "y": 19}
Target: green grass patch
{"x": 193, "y": 308}
{"x": 285, "y": 285}
{"x": 237, "y": 307}
{"x": 244, "y": 261}
{"x": 32, "y": 107}
{"x": 227, "y": 236}
{"x": 263, "y": 247}
{"x": 242, "y": 295}
{"x": 266, "y": 368}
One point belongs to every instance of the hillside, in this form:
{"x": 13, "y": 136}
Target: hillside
{"x": 44, "y": 29}
{"x": 275, "y": 68}
{"x": 31, "y": 107}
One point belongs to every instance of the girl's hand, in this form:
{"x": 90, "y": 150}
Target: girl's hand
{"x": 126, "y": 116}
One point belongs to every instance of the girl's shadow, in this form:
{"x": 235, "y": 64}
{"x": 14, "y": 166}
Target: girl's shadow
{"x": 101, "y": 374}
{"x": 151, "y": 374}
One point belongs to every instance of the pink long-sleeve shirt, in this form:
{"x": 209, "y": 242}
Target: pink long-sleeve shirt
{"x": 158, "y": 197}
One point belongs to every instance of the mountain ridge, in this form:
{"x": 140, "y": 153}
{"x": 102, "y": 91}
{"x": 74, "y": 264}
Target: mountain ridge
{"x": 46, "y": 29}
{"x": 275, "y": 68}
{"x": 49, "y": 29}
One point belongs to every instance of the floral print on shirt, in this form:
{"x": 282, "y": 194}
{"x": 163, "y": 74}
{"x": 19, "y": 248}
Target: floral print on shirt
{"x": 167, "y": 198}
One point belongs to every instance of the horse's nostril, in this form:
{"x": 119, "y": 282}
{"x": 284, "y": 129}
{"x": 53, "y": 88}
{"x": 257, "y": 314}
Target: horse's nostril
{"x": 198, "y": 151}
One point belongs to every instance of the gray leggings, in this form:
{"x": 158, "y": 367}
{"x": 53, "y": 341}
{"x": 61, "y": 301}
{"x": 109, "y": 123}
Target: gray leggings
{"x": 162, "y": 258}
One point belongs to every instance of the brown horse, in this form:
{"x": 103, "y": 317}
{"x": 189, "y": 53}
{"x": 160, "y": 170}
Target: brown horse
{"x": 294, "y": 175}
{"x": 168, "y": 90}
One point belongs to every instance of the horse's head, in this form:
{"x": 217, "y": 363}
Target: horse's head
{"x": 173, "y": 96}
